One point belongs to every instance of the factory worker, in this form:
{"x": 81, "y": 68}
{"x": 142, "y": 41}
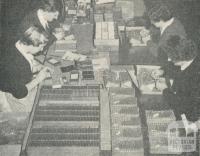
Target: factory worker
{"x": 161, "y": 17}
{"x": 20, "y": 73}
{"x": 43, "y": 17}
{"x": 184, "y": 71}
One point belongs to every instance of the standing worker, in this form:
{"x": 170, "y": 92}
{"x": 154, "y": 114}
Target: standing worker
{"x": 169, "y": 26}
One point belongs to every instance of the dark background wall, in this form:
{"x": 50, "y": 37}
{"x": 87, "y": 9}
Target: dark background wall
{"x": 12, "y": 12}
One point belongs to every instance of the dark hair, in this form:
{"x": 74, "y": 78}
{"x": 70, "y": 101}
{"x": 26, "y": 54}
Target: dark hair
{"x": 49, "y": 5}
{"x": 26, "y": 37}
{"x": 180, "y": 49}
{"x": 159, "y": 12}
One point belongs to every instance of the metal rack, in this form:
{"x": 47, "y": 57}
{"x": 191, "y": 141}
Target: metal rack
{"x": 64, "y": 118}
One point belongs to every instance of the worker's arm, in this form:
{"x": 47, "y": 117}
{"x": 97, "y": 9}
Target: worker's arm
{"x": 42, "y": 75}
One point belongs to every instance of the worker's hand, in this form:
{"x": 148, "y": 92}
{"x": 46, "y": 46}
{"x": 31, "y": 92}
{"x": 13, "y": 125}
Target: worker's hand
{"x": 66, "y": 27}
{"x": 59, "y": 33}
{"x": 144, "y": 33}
{"x": 146, "y": 39}
{"x": 35, "y": 49}
{"x": 37, "y": 68}
{"x": 59, "y": 36}
{"x": 157, "y": 73}
{"x": 44, "y": 73}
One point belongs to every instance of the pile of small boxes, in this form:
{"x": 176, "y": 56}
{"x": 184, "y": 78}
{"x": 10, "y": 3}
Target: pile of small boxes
{"x": 158, "y": 122}
{"x": 134, "y": 36}
{"x": 128, "y": 9}
{"x": 131, "y": 8}
{"x": 117, "y": 79}
{"x": 80, "y": 18}
{"x": 86, "y": 69}
{"x": 103, "y": 6}
{"x": 73, "y": 73}
{"x": 81, "y": 9}
{"x": 69, "y": 43}
{"x": 106, "y": 40}
{"x": 106, "y": 17}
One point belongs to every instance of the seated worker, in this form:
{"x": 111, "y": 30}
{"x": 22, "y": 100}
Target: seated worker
{"x": 183, "y": 94}
{"x": 17, "y": 68}
{"x": 161, "y": 17}
{"x": 42, "y": 17}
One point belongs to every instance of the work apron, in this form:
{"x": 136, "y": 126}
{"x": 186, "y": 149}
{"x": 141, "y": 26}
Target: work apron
{"x": 21, "y": 105}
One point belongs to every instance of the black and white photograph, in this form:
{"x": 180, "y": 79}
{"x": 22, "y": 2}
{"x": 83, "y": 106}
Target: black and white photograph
{"x": 99, "y": 77}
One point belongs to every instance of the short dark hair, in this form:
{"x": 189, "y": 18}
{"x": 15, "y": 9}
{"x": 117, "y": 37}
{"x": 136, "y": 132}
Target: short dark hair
{"x": 48, "y": 5}
{"x": 159, "y": 12}
{"x": 180, "y": 49}
{"x": 26, "y": 37}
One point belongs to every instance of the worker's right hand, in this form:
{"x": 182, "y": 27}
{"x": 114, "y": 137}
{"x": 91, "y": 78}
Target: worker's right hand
{"x": 59, "y": 33}
{"x": 145, "y": 34}
{"x": 157, "y": 73}
{"x": 44, "y": 73}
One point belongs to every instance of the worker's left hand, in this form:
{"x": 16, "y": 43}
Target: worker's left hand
{"x": 146, "y": 39}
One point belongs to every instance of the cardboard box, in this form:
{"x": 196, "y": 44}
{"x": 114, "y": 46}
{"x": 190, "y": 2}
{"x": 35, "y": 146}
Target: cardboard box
{"x": 71, "y": 12}
{"x": 105, "y": 37}
{"x": 108, "y": 17}
{"x": 102, "y": 8}
{"x": 113, "y": 56}
{"x": 104, "y": 1}
{"x": 117, "y": 13}
{"x": 84, "y": 36}
{"x": 65, "y": 45}
{"x": 107, "y": 45}
{"x": 127, "y": 8}
{"x": 98, "y": 17}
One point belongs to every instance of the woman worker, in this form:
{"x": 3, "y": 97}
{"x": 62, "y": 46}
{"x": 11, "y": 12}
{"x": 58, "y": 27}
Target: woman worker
{"x": 161, "y": 17}
{"x": 184, "y": 69}
{"x": 17, "y": 69}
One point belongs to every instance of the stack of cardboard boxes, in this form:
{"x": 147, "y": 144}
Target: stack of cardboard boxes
{"x": 106, "y": 40}
{"x": 68, "y": 43}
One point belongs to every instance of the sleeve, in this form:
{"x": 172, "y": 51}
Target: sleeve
{"x": 17, "y": 89}
{"x": 153, "y": 48}
{"x": 20, "y": 92}
{"x": 157, "y": 51}
{"x": 171, "y": 71}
